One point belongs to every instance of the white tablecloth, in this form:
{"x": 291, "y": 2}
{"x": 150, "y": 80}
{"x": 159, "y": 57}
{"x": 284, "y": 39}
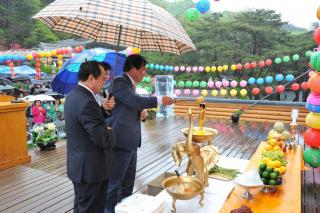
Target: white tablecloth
{"x": 215, "y": 195}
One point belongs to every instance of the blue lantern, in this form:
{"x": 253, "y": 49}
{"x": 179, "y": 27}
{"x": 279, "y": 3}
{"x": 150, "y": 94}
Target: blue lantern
{"x": 260, "y": 81}
{"x": 171, "y": 68}
{"x": 174, "y": 83}
{"x": 151, "y": 66}
{"x": 251, "y": 80}
{"x": 23, "y": 57}
{"x": 203, "y": 6}
{"x": 269, "y": 79}
{"x": 279, "y": 77}
{"x": 289, "y": 77}
{"x": 161, "y": 67}
{"x": 157, "y": 66}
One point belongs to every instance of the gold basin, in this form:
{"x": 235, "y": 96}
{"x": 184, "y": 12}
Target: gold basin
{"x": 198, "y": 136}
{"x": 173, "y": 186}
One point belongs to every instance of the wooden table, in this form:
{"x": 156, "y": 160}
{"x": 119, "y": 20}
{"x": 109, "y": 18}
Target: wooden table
{"x": 286, "y": 199}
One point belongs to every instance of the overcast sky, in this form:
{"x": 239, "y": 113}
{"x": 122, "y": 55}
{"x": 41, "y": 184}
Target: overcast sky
{"x": 300, "y": 13}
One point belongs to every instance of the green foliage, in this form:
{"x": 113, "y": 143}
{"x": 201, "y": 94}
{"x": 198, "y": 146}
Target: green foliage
{"x": 40, "y": 32}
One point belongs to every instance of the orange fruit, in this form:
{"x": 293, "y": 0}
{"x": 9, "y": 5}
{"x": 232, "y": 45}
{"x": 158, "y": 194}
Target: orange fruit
{"x": 265, "y": 160}
{"x": 276, "y": 148}
{"x": 268, "y": 147}
{"x": 283, "y": 169}
{"x": 273, "y": 142}
{"x": 277, "y": 164}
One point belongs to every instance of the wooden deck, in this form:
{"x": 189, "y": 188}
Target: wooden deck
{"x": 42, "y": 185}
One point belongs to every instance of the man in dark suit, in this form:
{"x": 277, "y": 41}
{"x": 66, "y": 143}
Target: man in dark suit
{"x": 125, "y": 122}
{"x": 89, "y": 140}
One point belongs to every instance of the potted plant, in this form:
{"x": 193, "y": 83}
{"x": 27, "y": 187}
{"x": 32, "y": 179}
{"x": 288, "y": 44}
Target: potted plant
{"x": 236, "y": 115}
{"x": 45, "y": 136}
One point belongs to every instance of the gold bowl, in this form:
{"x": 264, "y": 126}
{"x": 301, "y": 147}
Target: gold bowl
{"x": 201, "y": 136}
{"x": 190, "y": 188}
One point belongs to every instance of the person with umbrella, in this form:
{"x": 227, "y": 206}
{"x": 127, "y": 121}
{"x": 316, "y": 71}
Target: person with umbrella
{"x": 125, "y": 121}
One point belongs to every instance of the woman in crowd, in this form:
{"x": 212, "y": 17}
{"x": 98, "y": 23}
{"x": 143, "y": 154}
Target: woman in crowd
{"x": 38, "y": 112}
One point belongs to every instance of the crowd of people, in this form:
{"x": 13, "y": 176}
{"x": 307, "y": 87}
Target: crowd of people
{"x": 103, "y": 136}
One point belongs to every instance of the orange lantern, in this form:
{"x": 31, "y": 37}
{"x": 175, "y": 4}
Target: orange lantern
{"x": 312, "y": 138}
{"x": 304, "y": 85}
{"x": 255, "y": 91}
{"x": 268, "y": 90}
{"x": 280, "y": 89}
{"x": 295, "y": 87}
{"x": 314, "y": 83}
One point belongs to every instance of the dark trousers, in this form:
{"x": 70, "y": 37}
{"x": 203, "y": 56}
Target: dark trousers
{"x": 90, "y": 197}
{"x": 122, "y": 179}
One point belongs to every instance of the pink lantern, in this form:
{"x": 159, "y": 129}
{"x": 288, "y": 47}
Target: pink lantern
{"x": 194, "y": 69}
{"x": 247, "y": 66}
{"x": 186, "y": 92}
{"x": 295, "y": 87}
{"x": 188, "y": 69}
{"x": 268, "y": 90}
{"x": 225, "y": 83}
{"x": 218, "y": 84}
{"x": 176, "y": 69}
{"x": 253, "y": 64}
{"x": 201, "y": 68}
{"x": 182, "y": 68}
{"x": 239, "y": 66}
{"x": 268, "y": 62}
{"x": 177, "y": 92}
{"x": 243, "y": 83}
{"x": 261, "y": 64}
{"x": 233, "y": 83}
{"x": 280, "y": 89}
{"x": 35, "y": 54}
{"x": 128, "y": 50}
{"x": 210, "y": 84}
{"x": 195, "y": 92}
{"x": 304, "y": 85}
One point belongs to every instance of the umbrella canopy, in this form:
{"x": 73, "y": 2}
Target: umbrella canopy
{"x": 67, "y": 77}
{"x": 136, "y": 23}
{"x": 41, "y": 97}
{"x": 6, "y": 87}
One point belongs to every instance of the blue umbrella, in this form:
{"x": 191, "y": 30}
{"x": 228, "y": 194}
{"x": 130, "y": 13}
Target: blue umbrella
{"x": 67, "y": 78}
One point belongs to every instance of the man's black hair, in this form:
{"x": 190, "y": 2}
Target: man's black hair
{"x": 134, "y": 61}
{"x": 91, "y": 68}
{"x": 105, "y": 66}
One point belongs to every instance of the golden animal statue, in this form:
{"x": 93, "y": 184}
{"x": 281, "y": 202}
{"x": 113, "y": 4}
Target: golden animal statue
{"x": 201, "y": 160}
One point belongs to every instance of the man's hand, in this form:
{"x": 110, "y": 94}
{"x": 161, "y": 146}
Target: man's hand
{"x": 167, "y": 100}
{"x": 108, "y": 104}
{"x": 144, "y": 115}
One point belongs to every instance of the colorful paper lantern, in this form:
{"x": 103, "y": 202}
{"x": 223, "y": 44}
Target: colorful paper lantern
{"x": 233, "y": 92}
{"x": 195, "y": 84}
{"x": 188, "y": 69}
{"x": 203, "y": 84}
{"x": 286, "y": 59}
{"x": 295, "y": 87}
{"x": 268, "y": 62}
{"x": 203, "y": 6}
{"x": 253, "y": 64}
{"x": 239, "y": 67}
{"x": 304, "y": 85}
{"x": 201, "y": 69}
{"x": 220, "y": 68}
{"x": 225, "y": 83}
{"x": 312, "y": 157}
{"x": 315, "y": 61}
{"x": 255, "y": 91}
{"x": 207, "y": 69}
{"x": 194, "y": 69}
{"x": 213, "y": 68}
{"x": 280, "y": 89}
{"x": 195, "y": 92}
{"x": 313, "y": 120}
{"x": 295, "y": 57}
{"x": 279, "y": 77}
{"x": 225, "y": 67}
{"x": 289, "y": 77}
{"x": 218, "y": 84}
{"x": 261, "y": 64}
{"x": 204, "y": 92}
{"x": 223, "y": 92}
{"x": 181, "y": 84}
{"x": 314, "y": 83}
{"x": 176, "y": 69}
{"x": 308, "y": 53}
{"x": 60, "y": 57}
{"x": 312, "y": 138}
{"x": 260, "y": 81}
{"x": 186, "y": 92}
{"x": 188, "y": 84}
{"x": 268, "y": 90}
{"x": 60, "y": 63}
{"x": 312, "y": 107}
{"x": 277, "y": 60}
{"x": 210, "y": 84}
{"x": 29, "y": 57}
{"x": 243, "y": 92}
{"x": 247, "y": 66}
{"x": 251, "y": 80}
{"x": 214, "y": 93}
{"x": 182, "y": 68}
{"x": 243, "y": 83}
{"x": 269, "y": 79}
{"x": 177, "y": 92}
{"x": 316, "y": 35}
{"x": 233, "y": 83}
{"x": 233, "y": 67}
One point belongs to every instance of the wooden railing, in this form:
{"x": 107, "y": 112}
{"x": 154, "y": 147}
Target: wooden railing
{"x": 262, "y": 113}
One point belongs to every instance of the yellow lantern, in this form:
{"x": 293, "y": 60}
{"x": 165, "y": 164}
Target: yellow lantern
{"x": 233, "y": 92}
{"x": 213, "y": 68}
{"x": 60, "y": 57}
{"x": 136, "y": 50}
{"x": 204, "y": 92}
{"x": 29, "y": 57}
{"x": 225, "y": 67}
{"x": 47, "y": 54}
{"x": 233, "y": 67}
{"x": 53, "y": 53}
{"x": 313, "y": 120}
{"x": 243, "y": 92}
{"x": 223, "y": 92}
{"x": 60, "y": 62}
{"x": 220, "y": 68}
{"x": 207, "y": 69}
{"x": 214, "y": 93}
{"x": 41, "y": 54}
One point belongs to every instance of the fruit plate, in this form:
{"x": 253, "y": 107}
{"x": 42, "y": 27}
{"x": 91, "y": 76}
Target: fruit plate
{"x": 269, "y": 188}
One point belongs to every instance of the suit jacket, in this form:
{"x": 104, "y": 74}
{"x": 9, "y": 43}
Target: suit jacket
{"x": 125, "y": 117}
{"x": 89, "y": 141}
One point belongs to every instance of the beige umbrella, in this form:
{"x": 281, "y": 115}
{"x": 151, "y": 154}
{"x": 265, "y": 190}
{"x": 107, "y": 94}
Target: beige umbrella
{"x": 136, "y": 23}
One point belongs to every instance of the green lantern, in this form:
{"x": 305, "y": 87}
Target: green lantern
{"x": 295, "y": 57}
{"x": 315, "y": 61}
{"x": 196, "y": 84}
{"x": 277, "y": 60}
{"x": 286, "y": 59}
{"x": 147, "y": 79}
{"x": 308, "y": 53}
{"x": 181, "y": 84}
{"x": 192, "y": 14}
{"x": 188, "y": 84}
{"x": 312, "y": 157}
{"x": 203, "y": 84}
